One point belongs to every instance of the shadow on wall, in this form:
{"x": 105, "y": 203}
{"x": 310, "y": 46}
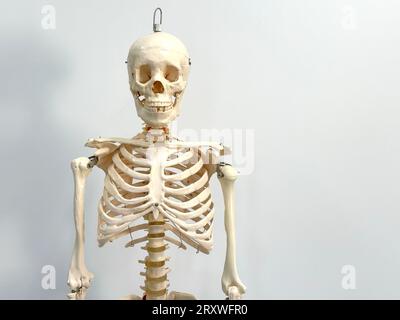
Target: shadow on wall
{"x": 35, "y": 173}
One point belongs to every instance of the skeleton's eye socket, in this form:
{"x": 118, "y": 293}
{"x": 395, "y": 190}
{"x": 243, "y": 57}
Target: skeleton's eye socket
{"x": 144, "y": 73}
{"x": 171, "y": 73}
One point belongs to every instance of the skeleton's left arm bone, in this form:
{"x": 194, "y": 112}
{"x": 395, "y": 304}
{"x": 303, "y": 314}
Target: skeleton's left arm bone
{"x": 231, "y": 283}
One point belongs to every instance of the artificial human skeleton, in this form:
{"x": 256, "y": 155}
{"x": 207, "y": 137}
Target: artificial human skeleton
{"x": 156, "y": 178}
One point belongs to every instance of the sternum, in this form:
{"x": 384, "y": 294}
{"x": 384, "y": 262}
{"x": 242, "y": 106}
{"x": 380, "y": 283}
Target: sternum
{"x": 156, "y": 155}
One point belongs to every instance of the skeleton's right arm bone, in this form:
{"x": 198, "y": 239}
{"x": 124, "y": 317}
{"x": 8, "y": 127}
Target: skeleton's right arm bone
{"x": 79, "y": 277}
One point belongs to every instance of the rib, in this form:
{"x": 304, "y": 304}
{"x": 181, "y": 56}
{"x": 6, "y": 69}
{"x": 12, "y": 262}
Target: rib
{"x": 124, "y": 168}
{"x": 202, "y": 196}
{"x": 185, "y": 238}
{"x": 122, "y": 184}
{"x": 175, "y": 242}
{"x": 184, "y": 174}
{"x": 197, "y": 236}
{"x": 197, "y": 185}
{"x": 112, "y": 189}
{"x": 120, "y": 220}
{"x": 190, "y": 214}
{"x": 135, "y": 241}
{"x": 123, "y": 210}
{"x": 180, "y": 159}
{"x": 192, "y": 226}
{"x": 113, "y": 237}
{"x": 134, "y": 160}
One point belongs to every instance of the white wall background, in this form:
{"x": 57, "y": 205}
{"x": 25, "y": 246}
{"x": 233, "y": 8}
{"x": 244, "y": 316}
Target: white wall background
{"x": 317, "y": 82}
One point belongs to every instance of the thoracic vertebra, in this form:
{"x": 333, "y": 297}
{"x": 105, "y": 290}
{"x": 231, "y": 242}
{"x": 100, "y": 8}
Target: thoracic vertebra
{"x": 155, "y": 283}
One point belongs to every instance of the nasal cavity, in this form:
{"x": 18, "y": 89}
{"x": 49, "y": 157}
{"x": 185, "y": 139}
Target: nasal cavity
{"x": 158, "y": 87}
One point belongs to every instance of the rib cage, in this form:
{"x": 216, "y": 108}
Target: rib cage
{"x": 159, "y": 179}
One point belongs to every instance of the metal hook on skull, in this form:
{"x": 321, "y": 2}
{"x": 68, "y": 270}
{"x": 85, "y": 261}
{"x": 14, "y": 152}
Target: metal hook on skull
{"x": 157, "y": 26}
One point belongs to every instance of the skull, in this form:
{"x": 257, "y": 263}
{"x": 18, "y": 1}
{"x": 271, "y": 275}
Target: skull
{"x": 158, "y": 66}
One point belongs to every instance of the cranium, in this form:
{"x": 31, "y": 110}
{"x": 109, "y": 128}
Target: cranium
{"x": 158, "y": 66}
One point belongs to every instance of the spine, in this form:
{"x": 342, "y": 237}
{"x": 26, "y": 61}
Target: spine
{"x": 155, "y": 274}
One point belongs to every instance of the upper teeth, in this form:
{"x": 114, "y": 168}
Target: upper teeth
{"x": 158, "y": 103}
{"x": 159, "y": 109}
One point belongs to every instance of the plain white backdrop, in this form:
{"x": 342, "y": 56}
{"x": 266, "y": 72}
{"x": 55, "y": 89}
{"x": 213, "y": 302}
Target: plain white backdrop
{"x": 316, "y": 83}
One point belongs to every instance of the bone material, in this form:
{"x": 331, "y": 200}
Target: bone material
{"x": 156, "y": 282}
{"x": 158, "y": 67}
{"x": 153, "y": 181}
{"x": 156, "y": 178}
{"x": 79, "y": 277}
{"x": 231, "y": 284}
